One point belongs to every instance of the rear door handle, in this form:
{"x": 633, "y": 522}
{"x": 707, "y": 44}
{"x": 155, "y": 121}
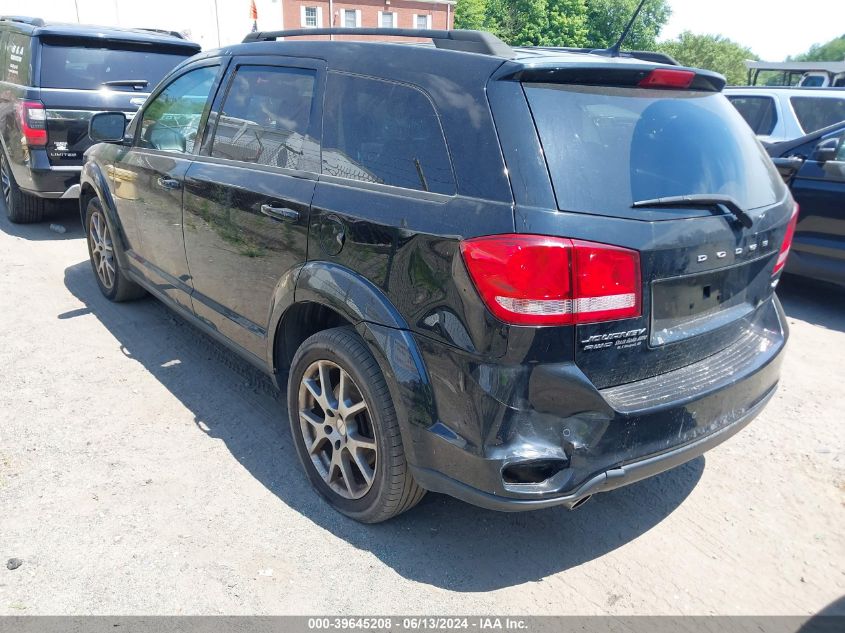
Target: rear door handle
{"x": 168, "y": 183}
{"x": 279, "y": 213}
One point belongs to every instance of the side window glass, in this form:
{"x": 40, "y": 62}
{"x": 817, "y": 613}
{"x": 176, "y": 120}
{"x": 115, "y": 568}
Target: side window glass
{"x": 265, "y": 118}
{"x": 16, "y": 59}
{"x": 814, "y": 113}
{"x": 383, "y": 132}
{"x": 758, "y": 112}
{"x": 172, "y": 120}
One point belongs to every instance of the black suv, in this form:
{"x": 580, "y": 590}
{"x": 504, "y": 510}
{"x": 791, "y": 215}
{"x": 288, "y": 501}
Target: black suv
{"x": 52, "y": 78}
{"x": 516, "y": 276}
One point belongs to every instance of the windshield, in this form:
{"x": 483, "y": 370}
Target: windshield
{"x": 607, "y": 148}
{"x": 88, "y": 68}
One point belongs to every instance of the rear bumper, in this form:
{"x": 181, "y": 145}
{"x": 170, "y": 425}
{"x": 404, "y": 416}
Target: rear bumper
{"x": 603, "y": 482}
{"x": 600, "y": 440}
{"x": 39, "y": 178}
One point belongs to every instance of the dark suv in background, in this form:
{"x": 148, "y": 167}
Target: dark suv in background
{"x": 52, "y": 78}
{"x": 516, "y": 276}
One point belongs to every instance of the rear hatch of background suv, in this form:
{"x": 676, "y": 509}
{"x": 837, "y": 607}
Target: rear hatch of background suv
{"x": 707, "y": 271}
{"x": 83, "y": 75}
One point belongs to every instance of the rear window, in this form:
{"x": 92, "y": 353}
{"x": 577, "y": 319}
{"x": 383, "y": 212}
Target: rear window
{"x": 814, "y": 113}
{"x": 607, "y": 148}
{"x": 90, "y": 68}
{"x": 758, "y": 112}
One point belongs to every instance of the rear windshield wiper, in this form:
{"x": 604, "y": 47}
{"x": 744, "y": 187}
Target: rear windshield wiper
{"x": 135, "y": 83}
{"x": 700, "y": 200}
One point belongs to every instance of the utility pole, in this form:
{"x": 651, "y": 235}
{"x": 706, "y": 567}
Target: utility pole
{"x": 217, "y": 21}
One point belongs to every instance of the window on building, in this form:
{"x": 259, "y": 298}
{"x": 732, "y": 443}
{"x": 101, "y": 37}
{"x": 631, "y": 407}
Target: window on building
{"x": 265, "y": 117}
{"x": 351, "y": 18}
{"x": 383, "y": 132}
{"x": 387, "y": 20}
{"x": 422, "y": 21}
{"x": 311, "y": 16}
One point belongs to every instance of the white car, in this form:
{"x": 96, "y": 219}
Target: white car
{"x": 782, "y": 114}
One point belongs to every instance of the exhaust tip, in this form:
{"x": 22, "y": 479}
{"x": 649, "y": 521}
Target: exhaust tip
{"x": 580, "y": 502}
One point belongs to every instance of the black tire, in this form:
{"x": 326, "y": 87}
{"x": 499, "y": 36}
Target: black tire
{"x": 392, "y": 489}
{"x": 121, "y": 287}
{"x": 21, "y": 208}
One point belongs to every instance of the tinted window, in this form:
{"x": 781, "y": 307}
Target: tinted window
{"x": 171, "y": 121}
{"x": 814, "y": 113}
{"x": 265, "y": 117}
{"x": 758, "y": 112}
{"x": 609, "y": 147}
{"x": 383, "y": 132}
{"x": 91, "y": 68}
{"x": 17, "y": 59}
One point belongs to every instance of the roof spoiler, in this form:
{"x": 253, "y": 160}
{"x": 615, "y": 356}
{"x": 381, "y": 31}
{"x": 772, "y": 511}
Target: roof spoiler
{"x": 22, "y": 19}
{"x": 646, "y": 56}
{"x": 455, "y": 40}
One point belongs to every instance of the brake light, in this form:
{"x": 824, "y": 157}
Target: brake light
{"x": 33, "y": 121}
{"x": 668, "y": 78}
{"x": 539, "y": 280}
{"x": 787, "y": 242}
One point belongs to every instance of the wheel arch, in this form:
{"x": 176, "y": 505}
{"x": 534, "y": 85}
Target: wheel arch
{"x": 325, "y": 295}
{"x": 94, "y": 184}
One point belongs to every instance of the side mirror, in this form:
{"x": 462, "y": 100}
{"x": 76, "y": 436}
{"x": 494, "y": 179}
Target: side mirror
{"x": 826, "y": 150}
{"x": 107, "y": 127}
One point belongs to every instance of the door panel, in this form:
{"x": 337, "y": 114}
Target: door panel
{"x": 245, "y": 229}
{"x": 247, "y": 199}
{"x": 148, "y": 180}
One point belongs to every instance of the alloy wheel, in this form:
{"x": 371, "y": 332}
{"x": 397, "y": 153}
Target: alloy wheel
{"x": 337, "y": 429}
{"x": 102, "y": 249}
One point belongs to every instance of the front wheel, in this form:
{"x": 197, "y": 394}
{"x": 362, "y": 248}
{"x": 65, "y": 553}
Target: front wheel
{"x": 113, "y": 283}
{"x": 345, "y": 429}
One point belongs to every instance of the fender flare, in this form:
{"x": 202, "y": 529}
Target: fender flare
{"x": 378, "y": 322}
{"x": 92, "y": 176}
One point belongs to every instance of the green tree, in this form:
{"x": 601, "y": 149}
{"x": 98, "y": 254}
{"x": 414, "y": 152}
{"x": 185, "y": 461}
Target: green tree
{"x": 712, "y": 52}
{"x": 832, "y": 51}
{"x": 518, "y": 22}
{"x": 567, "y": 23}
{"x": 606, "y": 20}
{"x": 470, "y": 14}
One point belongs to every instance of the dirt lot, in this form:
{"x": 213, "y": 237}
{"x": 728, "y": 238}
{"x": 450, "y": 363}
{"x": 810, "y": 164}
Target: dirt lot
{"x": 146, "y": 470}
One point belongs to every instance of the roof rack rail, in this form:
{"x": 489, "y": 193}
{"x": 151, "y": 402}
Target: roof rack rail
{"x": 164, "y": 32}
{"x": 646, "y": 56}
{"x": 455, "y": 40}
{"x": 22, "y": 19}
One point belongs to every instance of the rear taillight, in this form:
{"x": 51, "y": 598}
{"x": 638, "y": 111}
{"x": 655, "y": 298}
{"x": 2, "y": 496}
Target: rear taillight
{"x": 668, "y": 78}
{"x": 539, "y": 280}
{"x": 33, "y": 121}
{"x": 787, "y": 242}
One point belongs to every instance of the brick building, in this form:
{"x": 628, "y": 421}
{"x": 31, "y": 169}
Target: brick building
{"x": 401, "y": 14}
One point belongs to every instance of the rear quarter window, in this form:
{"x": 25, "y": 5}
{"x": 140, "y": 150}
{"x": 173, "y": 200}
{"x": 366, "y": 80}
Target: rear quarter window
{"x": 814, "y": 113}
{"x": 88, "y": 66}
{"x": 758, "y": 112}
{"x": 384, "y": 132}
{"x": 17, "y": 59}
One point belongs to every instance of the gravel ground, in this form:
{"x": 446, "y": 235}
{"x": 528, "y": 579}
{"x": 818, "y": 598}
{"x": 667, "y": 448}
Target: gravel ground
{"x": 146, "y": 470}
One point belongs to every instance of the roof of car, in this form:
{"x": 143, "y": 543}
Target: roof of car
{"x": 38, "y": 27}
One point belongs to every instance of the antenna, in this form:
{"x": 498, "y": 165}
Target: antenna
{"x": 614, "y": 50}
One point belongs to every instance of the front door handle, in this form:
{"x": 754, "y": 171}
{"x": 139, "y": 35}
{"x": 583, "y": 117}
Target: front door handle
{"x": 168, "y": 183}
{"x": 279, "y": 213}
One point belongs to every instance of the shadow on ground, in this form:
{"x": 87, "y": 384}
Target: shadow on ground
{"x": 64, "y": 212}
{"x": 442, "y": 542}
{"x": 813, "y": 301}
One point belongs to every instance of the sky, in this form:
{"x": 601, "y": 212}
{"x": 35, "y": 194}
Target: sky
{"x": 772, "y": 29}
